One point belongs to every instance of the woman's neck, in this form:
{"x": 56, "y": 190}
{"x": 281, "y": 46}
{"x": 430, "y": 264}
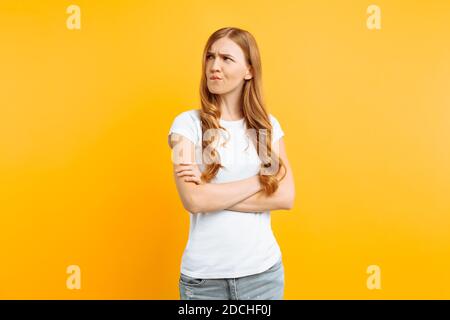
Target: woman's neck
{"x": 230, "y": 108}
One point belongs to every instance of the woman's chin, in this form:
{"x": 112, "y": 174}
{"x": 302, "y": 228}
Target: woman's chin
{"x": 215, "y": 91}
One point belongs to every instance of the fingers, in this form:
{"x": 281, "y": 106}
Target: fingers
{"x": 191, "y": 173}
{"x": 185, "y": 173}
{"x": 190, "y": 176}
{"x": 185, "y": 167}
{"x": 187, "y": 164}
{"x": 192, "y": 179}
{"x": 178, "y": 172}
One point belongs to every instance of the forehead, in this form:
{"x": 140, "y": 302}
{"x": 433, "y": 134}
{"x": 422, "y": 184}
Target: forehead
{"x": 227, "y": 46}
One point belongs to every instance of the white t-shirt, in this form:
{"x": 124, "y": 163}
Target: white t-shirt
{"x": 228, "y": 244}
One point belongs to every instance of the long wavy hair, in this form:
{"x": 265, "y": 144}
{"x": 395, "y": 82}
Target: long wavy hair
{"x": 253, "y": 107}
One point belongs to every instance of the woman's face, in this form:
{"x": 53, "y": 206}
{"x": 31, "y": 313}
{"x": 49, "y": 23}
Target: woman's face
{"x": 226, "y": 61}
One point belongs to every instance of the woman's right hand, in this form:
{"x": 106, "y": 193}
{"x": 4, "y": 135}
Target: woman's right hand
{"x": 191, "y": 172}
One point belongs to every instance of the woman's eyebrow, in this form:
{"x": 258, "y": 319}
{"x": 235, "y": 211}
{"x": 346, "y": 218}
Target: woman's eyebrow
{"x": 221, "y": 54}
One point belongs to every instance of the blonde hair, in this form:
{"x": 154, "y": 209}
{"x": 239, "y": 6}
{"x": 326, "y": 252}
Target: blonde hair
{"x": 254, "y": 110}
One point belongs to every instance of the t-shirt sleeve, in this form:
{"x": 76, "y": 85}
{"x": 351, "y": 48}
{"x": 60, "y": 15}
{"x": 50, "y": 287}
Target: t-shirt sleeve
{"x": 277, "y": 132}
{"x": 185, "y": 125}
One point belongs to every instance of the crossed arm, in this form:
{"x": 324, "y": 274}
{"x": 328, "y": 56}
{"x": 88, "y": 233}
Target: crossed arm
{"x": 282, "y": 199}
{"x": 244, "y": 195}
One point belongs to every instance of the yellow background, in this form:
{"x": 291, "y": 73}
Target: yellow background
{"x": 85, "y": 170}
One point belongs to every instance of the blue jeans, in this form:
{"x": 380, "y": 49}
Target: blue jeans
{"x": 267, "y": 285}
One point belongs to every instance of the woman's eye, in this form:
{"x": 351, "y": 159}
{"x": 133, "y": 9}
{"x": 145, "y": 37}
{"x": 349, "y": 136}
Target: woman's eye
{"x": 226, "y": 58}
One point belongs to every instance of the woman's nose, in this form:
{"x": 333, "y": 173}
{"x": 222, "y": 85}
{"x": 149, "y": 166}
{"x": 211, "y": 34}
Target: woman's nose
{"x": 215, "y": 65}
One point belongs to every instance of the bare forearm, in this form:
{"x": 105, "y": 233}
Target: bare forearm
{"x": 281, "y": 199}
{"x": 211, "y": 197}
{"x": 256, "y": 203}
{"x": 259, "y": 202}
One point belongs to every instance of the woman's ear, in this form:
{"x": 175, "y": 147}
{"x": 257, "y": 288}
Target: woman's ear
{"x": 249, "y": 74}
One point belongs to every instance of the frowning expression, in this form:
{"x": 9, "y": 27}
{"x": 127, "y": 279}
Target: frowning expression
{"x": 226, "y": 67}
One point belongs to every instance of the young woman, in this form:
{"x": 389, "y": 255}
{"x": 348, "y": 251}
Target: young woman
{"x": 231, "y": 169}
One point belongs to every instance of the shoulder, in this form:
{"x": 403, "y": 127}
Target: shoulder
{"x": 192, "y": 115}
{"x": 276, "y": 127}
{"x": 187, "y": 123}
{"x": 273, "y": 120}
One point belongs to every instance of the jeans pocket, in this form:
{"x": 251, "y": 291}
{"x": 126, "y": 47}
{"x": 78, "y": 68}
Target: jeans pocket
{"x": 190, "y": 281}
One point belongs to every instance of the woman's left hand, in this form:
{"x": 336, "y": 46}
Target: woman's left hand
{"x": 191, "y": 172}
